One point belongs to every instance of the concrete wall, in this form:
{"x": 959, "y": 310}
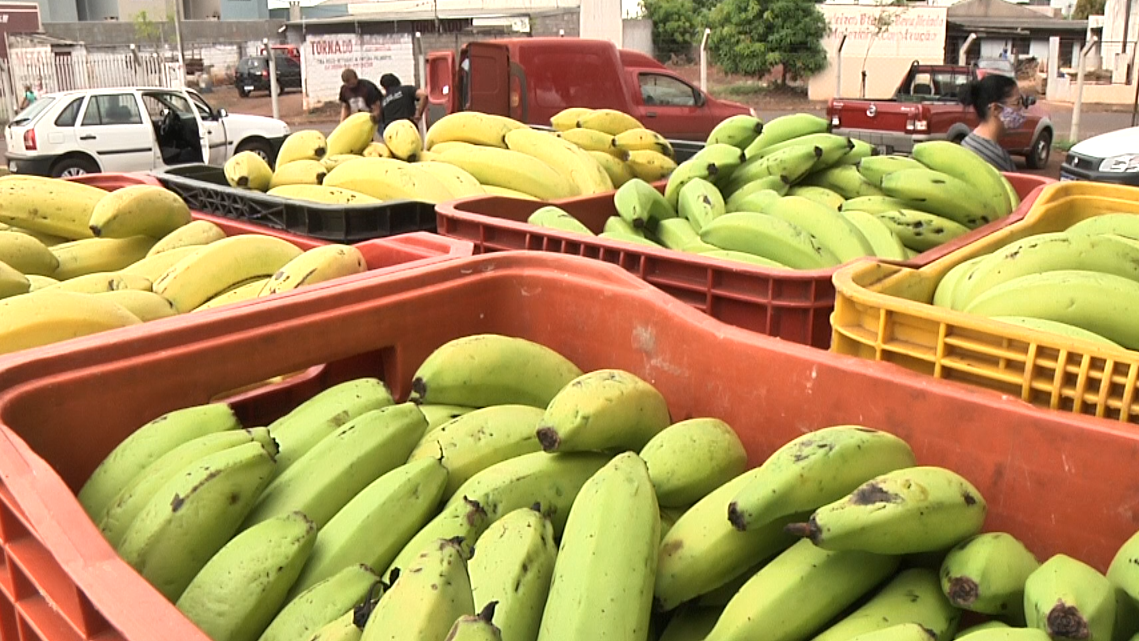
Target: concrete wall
{"x": 324, "y": 56}
{"x": 639, "y": 35}
{"x": 601, "y": 19}
{"x": 193, "y": 31}
{"x": 202, "y": 9}
{"x": 244, "y": 10}
{"x": 548, "y": 24}
{"x": 1063, "y": 89}
{"x": 58, "y": 10}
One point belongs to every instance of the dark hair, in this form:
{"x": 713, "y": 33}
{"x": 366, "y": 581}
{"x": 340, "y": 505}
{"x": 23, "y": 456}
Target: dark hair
{"x": 389, "y": 81}
{"x": 979, "y": 94}
{"x": 348, "y": 75}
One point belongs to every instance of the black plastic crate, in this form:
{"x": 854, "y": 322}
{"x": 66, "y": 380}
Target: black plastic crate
{"x": 204, "y": 188}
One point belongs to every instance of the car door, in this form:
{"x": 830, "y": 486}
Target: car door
{"x": 113, "y": 130}
{"x": 180, "y": 136}
{"x": 672, "y": 106}
{"x": 288, "y": 73}
{"x": 213, "y": 125}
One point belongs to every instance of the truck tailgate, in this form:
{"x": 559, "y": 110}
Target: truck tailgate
{"x": 886, "y": 116}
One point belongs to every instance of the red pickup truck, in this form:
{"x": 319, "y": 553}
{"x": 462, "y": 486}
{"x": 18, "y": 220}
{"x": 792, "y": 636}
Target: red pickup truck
{"x": 925, "y": 107}
{"x": 531, "y": 79}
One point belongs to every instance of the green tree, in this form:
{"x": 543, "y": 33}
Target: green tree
{"x": 753, "y": 36}
{"x": 677, "y": 26}
{"x": 1085, "y": 8}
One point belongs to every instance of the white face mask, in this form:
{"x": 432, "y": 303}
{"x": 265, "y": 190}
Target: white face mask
{"x": 1012, "y": 117}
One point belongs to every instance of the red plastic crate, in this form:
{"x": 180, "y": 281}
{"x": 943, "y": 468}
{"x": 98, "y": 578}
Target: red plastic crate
{"x": 1037, "y": 468}
{"x": 794, "y": 306}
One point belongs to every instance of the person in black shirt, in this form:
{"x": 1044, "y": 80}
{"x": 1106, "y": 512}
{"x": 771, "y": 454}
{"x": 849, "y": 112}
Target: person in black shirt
{"x": 358, "y": 94}
{"x": 401, "y": 102}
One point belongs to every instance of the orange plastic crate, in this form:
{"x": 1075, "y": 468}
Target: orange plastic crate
{"x": 794, "y": 306}
{"x": 883, "y": 313}
{"x": 1035, "y": 468}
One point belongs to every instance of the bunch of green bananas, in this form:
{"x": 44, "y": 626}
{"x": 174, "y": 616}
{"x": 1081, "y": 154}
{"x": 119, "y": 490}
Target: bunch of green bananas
{"x": 562, "y": 505}
{"x": 1081, "y": 282}
{"x": 789, "y": 195}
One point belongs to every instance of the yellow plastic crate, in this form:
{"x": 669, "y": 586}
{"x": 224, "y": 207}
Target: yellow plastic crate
{"x": 883, "y": 312}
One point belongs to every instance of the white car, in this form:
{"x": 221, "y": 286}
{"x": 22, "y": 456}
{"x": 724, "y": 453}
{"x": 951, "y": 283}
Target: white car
{"x": 1109, "y": 158}
{"x": 71, "y": 133}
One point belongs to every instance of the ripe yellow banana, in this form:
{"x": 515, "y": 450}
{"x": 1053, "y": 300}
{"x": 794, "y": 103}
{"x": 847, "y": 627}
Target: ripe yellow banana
{"x": 49, "y": 206}
{"x": 513, "y": 170}
{"x": 146, "y": 445}
{"x": 641, "y": 138}
{"x": 323, "y": 194}
{"x": 307, "y": 424}
{"x": 322, "y": 603}
{"x": 352, "y": 135}
{"x": 198, "y": 232}
{"x": 690, "y": 459}
{"x": 316, "y": 266}
{"x": 307, "y": 144}
{"x": 610, "y": 121}
{"x": 236, "y": 594}
{"x": 649, "y": 165}
{"x": 48, "y": 317}
{"x": 40, "y": 282}
{"x": 218, "y": 266}
{"x": 246, "y": 290}
{"x": 603, "y": 410}
{"x": 426, "y": 599}
{"x": 377, "y": 150}
{"x": 567, "y": 118}
{"x": 26, "y": 254}
{"x": 101, "y": 282}
{"x": 564, "y": 157}
{"x": 299, "y": 172}
{"x": 495, "y": 190}
{"x": 618, "y": 171}
{"x": 12, "y": 282}
{"x": 193, "y": 515}
{"x": 402, "y": 138}
{"x": 146, "y": 305}
{"x": 49, "y": 240}
{"x": 247, "y": 170}
{"x": 332, "y": 162}
{"x": 592, "y": 140}
{"x": 92, "y": 255}
{"x": 388, "y": 179}
{"x": 139, "y": 210}
{"x": 458, "y": 182}
{"x": 513, "y": 568}
{"x": 473, "y": 127}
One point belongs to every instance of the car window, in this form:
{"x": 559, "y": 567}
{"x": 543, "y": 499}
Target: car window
{"x": 156, "y": 101}
{"x": 665, "y": 90}
{"x": 112, "y": 109}
{"x": 33, "y": 111}
{"x": 70, "y": 114}
{"x": 202, "y": 106}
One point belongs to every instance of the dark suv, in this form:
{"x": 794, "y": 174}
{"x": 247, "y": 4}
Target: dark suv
{"x": 253, "y": 74}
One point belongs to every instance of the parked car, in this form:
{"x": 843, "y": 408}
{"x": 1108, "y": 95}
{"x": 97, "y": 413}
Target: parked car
{"x": 252, "y": 74}
{"x": 925, "y": 107}
{"x": 1110, "y": 158}
{"x": 131, "y": 129}
{"x": 531, "y": 79}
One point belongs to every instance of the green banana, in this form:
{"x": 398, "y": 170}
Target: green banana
{"x": 321, "y": 604}
{"x": 832, "y": 145}
{"x": 700, "y": 203}
{"x": 194, "y": 514}
{"x": 1126, "y": 225}
{"x": 602, "y": 410}
{"x": 906, "y": 511}
{"x": 618, "y": 224}
{"x": 1007, "y": 634}
{"x": 755, "y": 202}
{"x": 703, "y": 551}
{"x": 677, "y": 233}
{"x": 553, "y": 217}
{"x": 921, "y": 231}
{"x": 689, "y": 459}
{"x": 348, "y": 627}
{"x": 602, "y": 585}
{"x": 342, "y": 464}
{"x": 426, "y": 599}
{"x": 862, "y": 149}
{"x": 299, "y": 430}
{"x": 964, "y": 164}
{"x": 913, "y": 596}
{"x": 636, "y": 239}
{"x": 986, "y": 574}
{"x": 1049, "y": 252}
{"x": 714, "y": 163}
{"x": 883, "y": 241}
{"x": 993, "y": 624}
{"x": 799, "y": 592}
{"x": 738, "y": 131}
{"x": 1104, "y": 304}
{"x": 1124, "y": 569}
{"x": 821, "y": 195}
{"x": 875, "y": 168}
{"x": 438, "y": 415}
{"x": 1053, "y": 327}
{"x": 837, "y": 460}
{"x": 121, "y": 513}
{"x": 513, "y": 568}
{"x": 1010, "y": 193}
{"x": 719, "y": 597}
{"x": 789, "y": 165}
{"x": 845, "y": 181}
{"x": 900, "y": 632}
{"x": 475, "y": 441}
{"x": 476, "y": 628}
{"x": 769, "y": 237}
{"x": 691, "y": 624}
{"x": 638, "y": 202}
{"x": 145, "y": 445}
{"x": 237, "y": 593}
{"x": 876, "y": 204}
{"x": 1069, "y": 599}
{"x": 829, "y": 228}
{"x": 770, "y": 183}
{"x": 786, "y": 128}
{"x": 377, "y": 523}
{"x": 461, "y": 522}
{"x": 939, "y": 193}
{"x": 946, "y": 292}
{"x": 490, "y": 369}
{"x": 741, "y": 257}
{"x": 668, "y": 518}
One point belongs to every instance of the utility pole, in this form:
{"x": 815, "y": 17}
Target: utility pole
{"x": 178, "y": 35}
{"x": 1074, "y": 134}
{"x": 274, "y": 90}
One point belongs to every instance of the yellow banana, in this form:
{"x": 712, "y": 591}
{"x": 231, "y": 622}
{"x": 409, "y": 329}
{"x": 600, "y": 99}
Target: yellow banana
{"x": 198, "y": 232}
{"x": 12, "y": 282}
{"x": 609, "y": 121}
{"x": 314, "y": 266}
{"x": 567, "y": 159}
{"x": 48, "y": 206}
{"x": 649, "y": 165}
{"x": 48, "y": 317}
{"x": 323, "y": 194}
{"x": 146, "y": 305}
{"x": 402, "y": 139}
{"x": 247, "y": 170}
{"x": 513, "y": 170}
{"x": 567, "y": 118}
{"x": 154, "y": 266}
{"x": 139, "y": 210}
{"x": 592, "y": 140}
{"x": 26, "y": 254}
{"x": 444, "y": 147}
{"x": 299, "y": 172}
{"x": 332, "y": 162}
{"x": 307, "y": 144}
{"x": 100, "y": 282}
{"x": 352, "y": 135}
{"x": 495, "y": 190}
{"x": 92, "y": 255}
{"x": 388, "y": 179}
{"x": 377, "y": 150}
{"x": 244, "y": 291}
{"x": 473, "y": 127}
{"x": 40, "y": 282}
{"x": 456, "y": 180}
{"x": 218, "y": 266}
{"x": 619, "y": 172}
{"x": 641, "y": 138}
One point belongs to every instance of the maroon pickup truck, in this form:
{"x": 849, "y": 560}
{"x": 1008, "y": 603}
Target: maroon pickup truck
{"x": 925, "y": 107}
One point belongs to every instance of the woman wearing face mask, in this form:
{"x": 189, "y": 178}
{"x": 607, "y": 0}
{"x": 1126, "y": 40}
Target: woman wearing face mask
{"x": 999, "y": 105}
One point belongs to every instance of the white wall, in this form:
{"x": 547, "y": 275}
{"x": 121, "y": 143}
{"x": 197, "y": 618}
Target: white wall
{"x": 638, "y": 35}
{"x": 323, "y": 57}
{"x": 917, "y": 33}
{"x": 601, "y": 19}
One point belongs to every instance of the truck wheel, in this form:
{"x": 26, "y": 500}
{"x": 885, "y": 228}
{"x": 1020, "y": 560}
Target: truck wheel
{"x": 1037, "y": 157}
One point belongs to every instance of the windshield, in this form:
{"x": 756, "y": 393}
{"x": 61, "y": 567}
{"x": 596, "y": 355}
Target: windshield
{"x": 33, "y": 111}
